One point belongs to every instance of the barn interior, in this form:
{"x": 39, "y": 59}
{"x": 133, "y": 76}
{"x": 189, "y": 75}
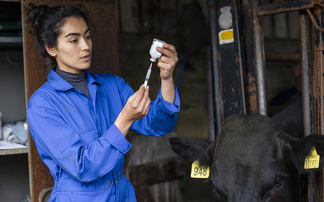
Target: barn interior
{"x": 188, "y": 25}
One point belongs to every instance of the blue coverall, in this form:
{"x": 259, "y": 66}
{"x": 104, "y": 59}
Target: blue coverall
{"x": 77, "y": 139}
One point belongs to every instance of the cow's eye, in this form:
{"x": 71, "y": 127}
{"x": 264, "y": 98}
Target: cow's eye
{"x": 278, "y": 182}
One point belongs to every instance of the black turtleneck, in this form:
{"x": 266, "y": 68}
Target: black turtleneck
{"x": 77, "y": 80}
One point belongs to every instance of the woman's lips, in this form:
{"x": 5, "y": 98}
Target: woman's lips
{"x": 86, "y": 57}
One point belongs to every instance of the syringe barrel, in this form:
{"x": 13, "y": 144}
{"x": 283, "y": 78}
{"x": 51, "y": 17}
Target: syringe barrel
{"x": 147, "y": 77}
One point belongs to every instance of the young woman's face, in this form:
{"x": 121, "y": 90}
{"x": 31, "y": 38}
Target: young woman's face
{"x": 74, "y": 46}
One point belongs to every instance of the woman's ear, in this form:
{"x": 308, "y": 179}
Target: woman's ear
{"x": 51, "y": 51}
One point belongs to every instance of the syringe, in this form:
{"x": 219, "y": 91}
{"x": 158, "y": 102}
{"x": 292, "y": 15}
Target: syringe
{"x": 154, "y": 55}
{"x": 148, "y": 74}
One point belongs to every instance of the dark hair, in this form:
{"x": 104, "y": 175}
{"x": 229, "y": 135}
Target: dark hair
{"x": 46, "y": 23}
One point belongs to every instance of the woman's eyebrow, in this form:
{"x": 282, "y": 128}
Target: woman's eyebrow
{"x": 72, "y": 34}
{"x": 76, "y": 34}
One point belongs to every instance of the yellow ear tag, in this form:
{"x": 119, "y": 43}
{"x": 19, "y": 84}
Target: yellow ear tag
{"x": 199, "y": 171}
{"x": 312, "y": 160}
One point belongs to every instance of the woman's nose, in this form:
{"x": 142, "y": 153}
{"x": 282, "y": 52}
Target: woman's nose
{"x": 85, "y": 44}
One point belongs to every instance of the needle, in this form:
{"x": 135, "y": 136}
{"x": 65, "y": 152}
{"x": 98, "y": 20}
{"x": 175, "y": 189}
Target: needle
{"x": 148, "y": 75}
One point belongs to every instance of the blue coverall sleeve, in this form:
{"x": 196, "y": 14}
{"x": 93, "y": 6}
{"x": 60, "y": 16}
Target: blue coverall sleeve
{"x": 162, "y": 115}
{"x": 65, "y": 146}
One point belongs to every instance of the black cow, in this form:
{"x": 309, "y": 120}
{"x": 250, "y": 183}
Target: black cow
{"x": 255, "y": 158}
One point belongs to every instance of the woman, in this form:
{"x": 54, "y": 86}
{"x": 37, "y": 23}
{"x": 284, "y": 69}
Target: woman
{"x": 79, "y": 120}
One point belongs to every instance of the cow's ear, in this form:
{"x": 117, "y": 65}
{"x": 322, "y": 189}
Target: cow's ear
{"x": 301, "y": 149}
{"x": 192, "y": 150}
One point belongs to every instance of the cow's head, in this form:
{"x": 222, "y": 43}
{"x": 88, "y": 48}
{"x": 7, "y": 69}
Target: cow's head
{"x": 251, "y": 160}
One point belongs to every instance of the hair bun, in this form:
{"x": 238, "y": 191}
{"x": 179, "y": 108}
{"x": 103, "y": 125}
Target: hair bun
{"x": 34, "y": 13}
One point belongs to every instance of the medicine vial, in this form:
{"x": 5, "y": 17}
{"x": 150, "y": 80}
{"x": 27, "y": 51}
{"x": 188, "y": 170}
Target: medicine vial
{"x": 153, "y": 52}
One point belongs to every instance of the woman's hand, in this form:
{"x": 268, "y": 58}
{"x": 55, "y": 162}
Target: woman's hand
{"x": 166, "y": 63}
{"x": 137, "y": 107}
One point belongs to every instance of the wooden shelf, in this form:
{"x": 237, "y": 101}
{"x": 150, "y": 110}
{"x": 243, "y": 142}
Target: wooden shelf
{"x": 13, "y": 151}
{"x": 7, "y": 148}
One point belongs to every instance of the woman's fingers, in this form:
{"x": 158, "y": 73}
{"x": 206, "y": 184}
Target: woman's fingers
{"x": 139, "y": 102}
{"x": 168, "y": 50}
{"x": 146, "y": 101}
{"x": 167, "y": 61}
{"x": 138, "y": 96}
{"x": 143, "y": 105}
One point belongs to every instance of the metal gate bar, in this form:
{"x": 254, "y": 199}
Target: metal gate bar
{"x": 282, "y": 57}
{"x": 305, "y": 37}
{"x": 215, "y": 68}
{"x": 259, "y": 56}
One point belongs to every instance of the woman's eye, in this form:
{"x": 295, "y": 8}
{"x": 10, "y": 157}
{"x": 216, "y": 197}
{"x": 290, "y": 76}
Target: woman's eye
{"x": 88, "y": 37}
{"x": 74, "y": 41}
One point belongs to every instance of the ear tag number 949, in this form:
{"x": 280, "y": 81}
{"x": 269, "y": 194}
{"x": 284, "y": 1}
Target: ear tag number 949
{"x": 198, "y": 171}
